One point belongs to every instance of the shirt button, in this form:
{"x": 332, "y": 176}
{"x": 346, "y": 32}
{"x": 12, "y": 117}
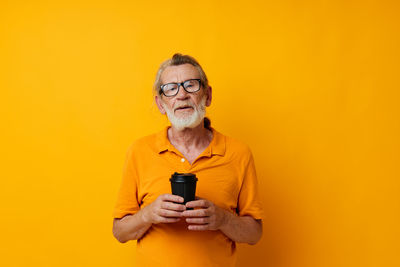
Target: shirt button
{"x": 182, "y": 160}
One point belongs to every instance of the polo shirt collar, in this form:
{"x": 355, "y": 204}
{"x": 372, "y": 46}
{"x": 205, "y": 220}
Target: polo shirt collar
{"x": 216, "y": 147}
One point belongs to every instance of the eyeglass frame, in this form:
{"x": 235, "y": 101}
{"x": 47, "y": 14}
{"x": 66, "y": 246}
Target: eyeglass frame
{"x": 179, "y": 85}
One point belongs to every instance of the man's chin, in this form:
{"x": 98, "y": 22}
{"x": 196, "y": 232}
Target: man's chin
{"x": 182, "y": 114}
{"x": 182, "y": 125}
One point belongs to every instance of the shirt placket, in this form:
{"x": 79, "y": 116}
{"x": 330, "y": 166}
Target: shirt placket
{"x": 184, "y": 163}
{"x": 181, "y": 163}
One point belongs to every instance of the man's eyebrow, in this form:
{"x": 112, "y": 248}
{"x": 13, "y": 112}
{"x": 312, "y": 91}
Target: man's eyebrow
{"x": 170, "y": 82}
{"x": 183, "y": 80}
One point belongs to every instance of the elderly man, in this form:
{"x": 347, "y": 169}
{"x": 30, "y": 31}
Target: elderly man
{"x": 227, "y": 209}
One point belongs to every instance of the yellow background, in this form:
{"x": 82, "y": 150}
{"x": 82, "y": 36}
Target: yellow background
{"x": 311, "y": 86}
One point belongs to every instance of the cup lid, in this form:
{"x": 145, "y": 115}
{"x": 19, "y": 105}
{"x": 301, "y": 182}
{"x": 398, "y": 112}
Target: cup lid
{"x": 183, "y": 177}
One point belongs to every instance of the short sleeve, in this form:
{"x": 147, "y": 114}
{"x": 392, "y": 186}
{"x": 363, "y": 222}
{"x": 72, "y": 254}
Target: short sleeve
{"x": 127, "y": 198}
{"x": 249, "y": 203}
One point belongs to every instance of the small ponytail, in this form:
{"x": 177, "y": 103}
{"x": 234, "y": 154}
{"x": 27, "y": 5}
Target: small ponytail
{"x": 207, "y": 123}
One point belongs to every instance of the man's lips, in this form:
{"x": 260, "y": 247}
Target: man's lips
{"x": 183, "y": 108}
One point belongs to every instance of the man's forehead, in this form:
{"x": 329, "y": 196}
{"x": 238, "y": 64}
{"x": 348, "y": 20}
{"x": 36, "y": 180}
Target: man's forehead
{"x": 179, "y": 73}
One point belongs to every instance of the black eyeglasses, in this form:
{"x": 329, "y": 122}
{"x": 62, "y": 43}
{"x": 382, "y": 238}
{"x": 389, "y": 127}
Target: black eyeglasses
{"x": 172, "y": 89}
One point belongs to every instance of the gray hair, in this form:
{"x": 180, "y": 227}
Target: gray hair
{"x": 176, "y": 60}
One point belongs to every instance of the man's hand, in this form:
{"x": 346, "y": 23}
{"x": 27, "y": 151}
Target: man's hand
{"x": 164, "y": 209}
{"x": 207, "y": 217}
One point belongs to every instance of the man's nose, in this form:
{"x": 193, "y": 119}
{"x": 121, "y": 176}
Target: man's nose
{"x": 182, "y": 94}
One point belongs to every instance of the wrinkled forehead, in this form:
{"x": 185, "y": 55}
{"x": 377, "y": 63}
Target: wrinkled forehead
{"x": 180, "y": 73}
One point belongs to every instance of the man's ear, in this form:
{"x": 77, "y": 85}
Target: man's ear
{"x": 159, "y": 105}
{"x": 209, "y": 96}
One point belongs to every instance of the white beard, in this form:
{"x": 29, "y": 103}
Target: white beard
{"x": 187, "y": 121}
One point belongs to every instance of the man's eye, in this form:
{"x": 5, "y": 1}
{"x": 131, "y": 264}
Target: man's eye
{"x": 172, "y": 88}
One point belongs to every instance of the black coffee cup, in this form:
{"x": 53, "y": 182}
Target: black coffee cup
{"x": 184, "y": 185}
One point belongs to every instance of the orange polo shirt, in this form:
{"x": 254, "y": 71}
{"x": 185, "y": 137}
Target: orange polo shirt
{"x": 226, "y": 176}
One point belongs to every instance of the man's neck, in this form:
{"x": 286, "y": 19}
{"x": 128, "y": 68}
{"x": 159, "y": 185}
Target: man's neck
{"x": 190, "y": 138}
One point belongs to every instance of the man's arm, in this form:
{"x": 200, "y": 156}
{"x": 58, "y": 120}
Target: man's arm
{"x": 162, "y": 210}
{"x": 130, "y": 227}
{"x": 241, "y": 229}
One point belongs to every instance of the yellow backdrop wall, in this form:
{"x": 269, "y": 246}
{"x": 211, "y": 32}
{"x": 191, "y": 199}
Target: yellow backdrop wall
{"x": 311, "y": 86}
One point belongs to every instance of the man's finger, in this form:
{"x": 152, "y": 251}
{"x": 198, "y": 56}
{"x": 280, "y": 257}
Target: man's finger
{"x": 202, "y": 220}
{"x": 196, "y": 213}
{"x": 201, "y": 203}
{"x": 169, "y": 213}
{"x": 198, "y": 227}
{"x": 173, "y": 206}
{"x": 168, "y": 220}
{"x": 173, "y": 198}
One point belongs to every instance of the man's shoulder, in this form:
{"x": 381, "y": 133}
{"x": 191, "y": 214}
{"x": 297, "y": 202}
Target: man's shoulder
{"x": 146, "y": 142}
{"x": 235, "y": 145}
